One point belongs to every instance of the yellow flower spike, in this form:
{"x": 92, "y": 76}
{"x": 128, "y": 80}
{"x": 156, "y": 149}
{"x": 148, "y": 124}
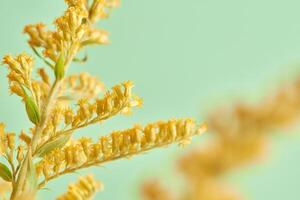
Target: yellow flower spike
{"x": 122, "y": 144}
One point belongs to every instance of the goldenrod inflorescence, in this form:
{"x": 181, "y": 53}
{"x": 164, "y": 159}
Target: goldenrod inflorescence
{"x": 83, "y": 153}
{"x": 58, "y": 104}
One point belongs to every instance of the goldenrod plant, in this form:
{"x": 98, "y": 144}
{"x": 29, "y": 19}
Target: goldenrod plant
{"x": 58, "y": 104}
{"x": 240, "y": 135}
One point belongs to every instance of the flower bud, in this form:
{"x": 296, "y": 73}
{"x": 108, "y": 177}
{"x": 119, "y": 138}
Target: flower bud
{"x": 20, "y": 153}
{"x": 11, "y": 140}
{"x": 25, "y": 138}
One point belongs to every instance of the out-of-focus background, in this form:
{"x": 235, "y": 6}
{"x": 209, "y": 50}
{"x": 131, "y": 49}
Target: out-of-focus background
{"x": 186, "y": 58}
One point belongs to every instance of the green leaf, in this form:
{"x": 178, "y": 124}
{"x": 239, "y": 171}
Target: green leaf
{"x": 59, "y": 69}
{"x": 51, "y": 145}
{"x": 31, "y": 107}
{"x": 5, "y": 172}
{"x": 32, "y": 110}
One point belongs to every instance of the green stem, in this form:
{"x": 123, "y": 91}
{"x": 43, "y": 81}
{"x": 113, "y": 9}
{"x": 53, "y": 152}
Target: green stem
{"x": 34, "y": 142}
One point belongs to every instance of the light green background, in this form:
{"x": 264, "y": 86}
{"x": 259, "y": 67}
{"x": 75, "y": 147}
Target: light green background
{"x": 186, "y": 58}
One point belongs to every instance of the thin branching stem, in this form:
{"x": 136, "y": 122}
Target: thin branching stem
{"x": 36, "y": 136}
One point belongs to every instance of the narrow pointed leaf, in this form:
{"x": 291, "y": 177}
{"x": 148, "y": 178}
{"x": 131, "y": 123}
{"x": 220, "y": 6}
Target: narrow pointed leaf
{"x": 32, "y": 110}
{"x": 31, "y": 179}
{"x": 49, "y": 146}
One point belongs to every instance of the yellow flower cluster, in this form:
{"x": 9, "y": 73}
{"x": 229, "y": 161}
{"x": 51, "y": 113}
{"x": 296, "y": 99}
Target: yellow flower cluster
{"x": 119, "y": 100}
{"x": 21, "y": 82}
{"x": 20, "y": 69}
{"x": 84, "y": 189}
{"x": 74, "y": 29}
{"x": 239, "y": 137}
{"x": 119, "y": 144}
{"x": 241, "y": 132}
